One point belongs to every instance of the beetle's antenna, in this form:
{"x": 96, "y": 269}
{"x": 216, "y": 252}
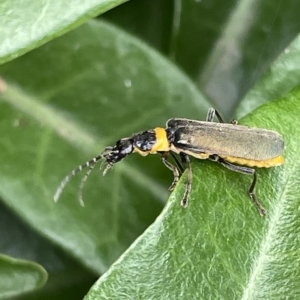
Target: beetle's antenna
{"x": 63, "y": 184}
{"x": 82, "y": 183}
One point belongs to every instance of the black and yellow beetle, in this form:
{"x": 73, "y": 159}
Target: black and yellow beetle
{"x": 238, "y": 148}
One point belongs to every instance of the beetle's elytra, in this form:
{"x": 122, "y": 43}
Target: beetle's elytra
{"x": 238, "y": 148}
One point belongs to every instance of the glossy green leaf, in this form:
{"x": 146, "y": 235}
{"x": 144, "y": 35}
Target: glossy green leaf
{"x": 19, "y": 276}
{"x": 64, "y": 103}
{"x": 28, "y": 24}
{"x": 219, "y": 247}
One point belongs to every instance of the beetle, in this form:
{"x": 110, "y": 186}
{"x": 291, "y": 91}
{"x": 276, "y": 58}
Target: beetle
{"x": 238, "y": 148}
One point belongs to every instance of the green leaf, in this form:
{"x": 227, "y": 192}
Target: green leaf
{"x": 18, "y": 276}
{"x": 60, "y": 107}
{"x": 219, "y": 247}
{"x": 28, "y": 24}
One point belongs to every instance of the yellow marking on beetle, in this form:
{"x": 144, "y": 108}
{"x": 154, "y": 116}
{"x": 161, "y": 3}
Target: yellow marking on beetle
{"x": 142, "y": 153}
{"x": 162, "y": 143}
{"x": 268, "y": 163}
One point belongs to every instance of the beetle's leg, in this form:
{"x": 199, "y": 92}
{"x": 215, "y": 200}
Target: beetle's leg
{"x": 171, "y": 167}
{"x": 185, "y": 158}
{"x": 247, "y": 171}
{"x": 210, "y": 115}
{"x": 212, "y": 112}
{"x": 179, "y": 165}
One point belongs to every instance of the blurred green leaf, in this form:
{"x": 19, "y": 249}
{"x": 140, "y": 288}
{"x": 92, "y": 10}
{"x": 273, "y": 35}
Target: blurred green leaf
{"x": 19, "y": 276}
{"x": 28, "y": 24}
{"x": 237, "y": 40}
{"x": 66, "y": 278}
{"x": 281, "y": 77}
{"x": 219, "y": 247}
{"x": 226, "y": 46}
{"x": 151, "y": 21}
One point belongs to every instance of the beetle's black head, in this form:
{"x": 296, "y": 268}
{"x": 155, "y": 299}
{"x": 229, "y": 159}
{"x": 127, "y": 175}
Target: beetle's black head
{"x": 116, "y": 153}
